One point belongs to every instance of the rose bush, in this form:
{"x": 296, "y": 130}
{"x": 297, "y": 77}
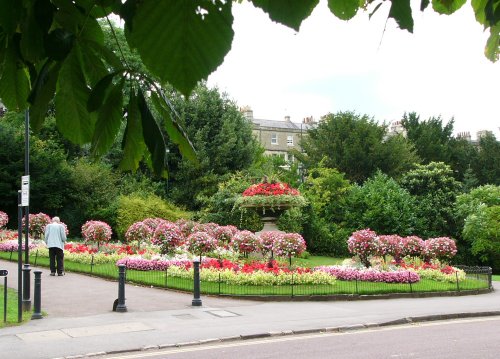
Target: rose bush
{"x": 139, "y": 232}
{"x": 96, "y": 232}
{"x": 4, "y": 219}
{"x": 245, "y": 242}
{"x": 441, "y": 248}
{"x": 362, "y": 243}
{"x": 168, "y": 236}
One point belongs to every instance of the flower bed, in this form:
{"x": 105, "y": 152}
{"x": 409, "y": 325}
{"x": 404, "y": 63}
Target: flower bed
{"x": 371, "y": 274}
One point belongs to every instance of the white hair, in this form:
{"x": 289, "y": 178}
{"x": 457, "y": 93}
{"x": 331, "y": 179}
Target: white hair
{"x": 56, "y": 219}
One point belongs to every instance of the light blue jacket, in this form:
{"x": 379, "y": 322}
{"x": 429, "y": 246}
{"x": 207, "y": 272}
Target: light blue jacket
{"x": 55, "y": 235}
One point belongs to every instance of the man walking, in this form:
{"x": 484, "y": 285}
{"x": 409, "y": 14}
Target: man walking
{"x": 55, "y": 236}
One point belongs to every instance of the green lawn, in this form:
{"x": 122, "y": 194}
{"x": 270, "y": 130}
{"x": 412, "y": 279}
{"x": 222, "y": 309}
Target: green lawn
{"x": 496, "y": 277}
{"x": 11, "y": 308}
{"x": 314, "y": 261}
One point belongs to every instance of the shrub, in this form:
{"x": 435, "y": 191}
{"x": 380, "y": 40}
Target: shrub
{"x": 135, "y": 208}
{"x": 224, "y": 234}
{"x": 201, "y": 242}
{"x": 289, "y": 244}
{"x": 4, "y": 219}
{"x": 245, "y": 242}
{"x": 442, "y": 248}
{"x": 168, "y": 236}
{"x": 139, "y": 231}
{"x": 96, "y": 232}
{"x": 267, "y": 240}
{"x": 413, "y": 246}
{"x": 362, "y": 243}
{"x": 391, "y": 245}
{"x": 37, "y": 224}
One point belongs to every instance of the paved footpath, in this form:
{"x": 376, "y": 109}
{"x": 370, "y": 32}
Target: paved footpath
{"x": 80, "y": 322}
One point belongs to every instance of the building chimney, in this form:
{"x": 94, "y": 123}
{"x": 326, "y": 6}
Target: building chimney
{"x": 287, "y": 118}
{"x": 247, "y": 112}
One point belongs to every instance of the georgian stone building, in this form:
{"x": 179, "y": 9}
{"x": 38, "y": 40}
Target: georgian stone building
{"x": 278, "y": 137}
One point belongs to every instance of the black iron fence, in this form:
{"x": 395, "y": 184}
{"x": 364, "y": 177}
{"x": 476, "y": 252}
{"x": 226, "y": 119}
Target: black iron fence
{"x": 477, "y": 279}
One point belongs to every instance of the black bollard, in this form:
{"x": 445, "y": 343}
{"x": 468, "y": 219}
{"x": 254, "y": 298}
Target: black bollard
{"x": 37, "y": 296}
{"x": 26, "y": 288}
{"x": 121, "y": 307}
{"x": 196, "y": 284}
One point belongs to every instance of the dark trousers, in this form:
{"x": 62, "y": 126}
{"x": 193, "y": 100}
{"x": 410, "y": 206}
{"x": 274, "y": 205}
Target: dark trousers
{"x": 56, "y": 254}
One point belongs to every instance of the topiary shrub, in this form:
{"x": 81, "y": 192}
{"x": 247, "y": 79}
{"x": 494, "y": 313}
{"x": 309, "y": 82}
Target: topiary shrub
{"x": 96, "y": 232}
{"x": 136, "y": 208}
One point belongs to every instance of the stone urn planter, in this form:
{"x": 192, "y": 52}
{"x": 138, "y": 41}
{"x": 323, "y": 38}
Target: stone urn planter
{"x": 270, "y": 200}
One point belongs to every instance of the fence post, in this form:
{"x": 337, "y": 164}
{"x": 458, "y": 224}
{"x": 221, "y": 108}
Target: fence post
{"x": 166, "y": 277}
{"x": 196, "y": 302}
{"x": 490, "y": 273}
{"x": 458, "y": 286}
{"x": 91, "y": 263}
{"x": 11, "y": 250}
{"x": 121, "y": 307}
{"x": 409, "y": 281}
{"x": 5, "y": 298}
{"x": 37, "y": 296}
{"x": 219, "y": 283}
{"x": 36, "y": 257}
{"x": 357, "y": 286}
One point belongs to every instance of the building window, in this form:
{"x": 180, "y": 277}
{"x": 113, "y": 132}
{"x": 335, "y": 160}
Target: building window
{"x": 274, "y": 139}
{"x": 289, "y": 140}
{"x": 290, "y": 158}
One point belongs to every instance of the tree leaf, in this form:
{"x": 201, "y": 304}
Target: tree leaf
{"x": 424, "y": 4}
{"x": 479, "y": 7}
{"x": 42, "y": 93}
{"x": 14, "y": 82}
{"x": 10, "y": 15}
{"x": 31, "y": 38}
{"x": 73, "y": 119}
{"x": 492, "y": 50}
{"x": 344, "y": 9}
{"x": 58, "y": 44}
{"x": 93, "y": 66}
{"x": 447, "y": 6}
{"x": 374, "y": 10}
{"x": 98, "y": 93}
{"x": 181, "y": 42}
{"x": 152, "y": 136}
{"x": 108, "y": 55}
{"x": 175, "y": 132}
{"x": 401, "y": 12}
{"x": 133, "y": 141}
{"x": 288, "y": 12}
{"x": 108, "y": 121}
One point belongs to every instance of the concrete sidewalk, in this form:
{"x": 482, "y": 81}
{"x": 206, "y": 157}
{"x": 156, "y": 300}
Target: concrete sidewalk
{"x": 80, "y": 320}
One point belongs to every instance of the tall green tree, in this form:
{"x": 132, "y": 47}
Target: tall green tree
{"x": 357, "y": 146}
{"x": 222, "y": 137}
{"x": 435, "y": 190}
{"x": 56, "y": 48}
{"x": 487, "y": 164}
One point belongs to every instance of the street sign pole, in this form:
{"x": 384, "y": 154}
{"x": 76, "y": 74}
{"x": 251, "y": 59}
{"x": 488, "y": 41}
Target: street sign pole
{"x": 19, "y": 258}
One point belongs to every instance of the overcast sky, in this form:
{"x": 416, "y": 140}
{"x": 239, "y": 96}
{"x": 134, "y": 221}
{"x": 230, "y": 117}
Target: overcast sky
{"x": 332, "y": 65}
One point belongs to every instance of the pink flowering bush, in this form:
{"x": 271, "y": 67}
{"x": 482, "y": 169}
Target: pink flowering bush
{"x": 391, "y": 245}
{"x": 186, "y": 226}
{"x": 370, "y": 274}
{"x": 210, "y": 228}
{"x": 442, "y": 248}
{"x": 224, "y": 234}
{"x": 152, "y": 223}
{"x": 201, "y": 242}
{"x": 168, "y": 236}
{"x": 362, "y": 243}
{"x": 139, "y": 232}
{"x": 267, "y": 240}
{"x": 96, "y": 232}
{"x": 4, "y": 219}
{"x": 245, "y": 242}
{"x": 413, "y": 246}
{"x": 37, "y": 224}
{"x": 289, "y": 244}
